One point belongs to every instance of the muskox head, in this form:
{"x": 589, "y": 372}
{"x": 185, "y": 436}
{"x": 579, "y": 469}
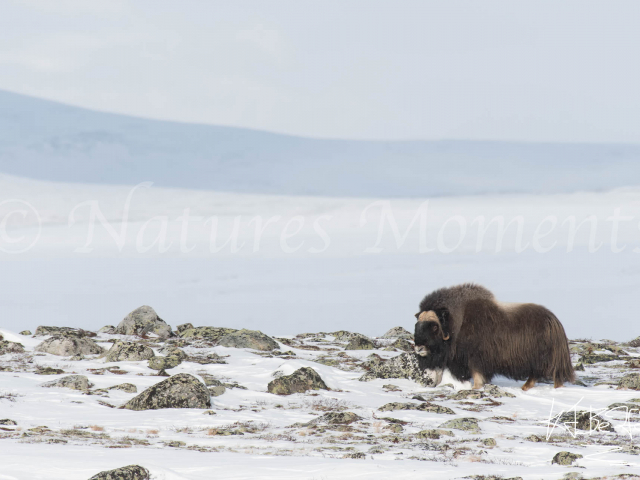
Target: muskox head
{"x": 432, "y": 338}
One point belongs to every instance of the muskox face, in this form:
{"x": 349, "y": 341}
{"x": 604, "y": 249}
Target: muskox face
{"x": 432, "y": 338}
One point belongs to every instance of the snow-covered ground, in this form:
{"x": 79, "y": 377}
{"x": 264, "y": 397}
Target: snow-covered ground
{"x": 68, "y": 434}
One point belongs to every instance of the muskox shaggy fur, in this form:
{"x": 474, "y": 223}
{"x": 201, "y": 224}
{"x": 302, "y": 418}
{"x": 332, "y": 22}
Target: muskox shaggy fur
{"x": 465, "y": 329}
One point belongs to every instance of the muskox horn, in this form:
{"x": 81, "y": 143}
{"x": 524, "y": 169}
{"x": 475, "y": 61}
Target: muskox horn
{"x": 431, "y": 316}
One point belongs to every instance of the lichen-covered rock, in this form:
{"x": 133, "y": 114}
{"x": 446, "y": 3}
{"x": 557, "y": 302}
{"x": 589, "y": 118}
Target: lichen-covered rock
{"x": 248, "y": 339}
{"x": 403, "y": 344}
{"x": 164, "y": 363}
{"x": 591, "y": 358}
{"x": 170, "y": 350}
{"x": 212, "y": 358}
{"x": 402, "y": 366}
{"x": 128, "y": 351}
{"x": 630, "y": 381}
{"x": 466, "y": 395}
{"x": 26, "y": 332}
{"x": 398, "y": 332}
{"x": 40, "y": 370}
{"x": 422, "y": 407}
{"x": 565, "y": 458}
{"x": 497, "y": 392}
{"x": 179, "y": 391}
{"x": 183, "y": 327}
{"x": 337, "y": 418}
{"x": 359, "y": 343}
{"x": 10, "y": 347}
{"x": 130, "y": 472}
{"x": 68, "y": 345}
{"x": 213, "y": 334}
{"x": 110, "y": 329}
{"x": 434, "y": 433}
{"x": 582, "y": 420}
{"x": 468, "y": 424}
{"x": 125, "y": 387}
{"x": 7, "y": 421}
{"x": 66, "y": 331}
{"x": 142, "y": 321}
{"x": 344, "y": 335}
{"x": 635, "y": 342}
{"x": 217, "y": 390}
{"x": 300, "y": 381}
{"x": 74, "y": 382}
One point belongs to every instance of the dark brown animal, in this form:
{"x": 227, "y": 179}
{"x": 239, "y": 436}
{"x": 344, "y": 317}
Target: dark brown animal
{"x": 465, "y": 329}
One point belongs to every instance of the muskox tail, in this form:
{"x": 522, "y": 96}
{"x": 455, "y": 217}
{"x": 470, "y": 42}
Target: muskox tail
{"x": 561, "y": 356}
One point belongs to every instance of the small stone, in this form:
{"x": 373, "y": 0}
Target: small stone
{"x": 489, "y": 442}
{"x": 582, "y": 420}
{"x": 391, "y": 388}
{"x": 127, "y": 351}
{"x": 109, "y": 329}
{"x": 10, "y": 347}
{"x": 468, "y": 424}
{"x": 179, "y": 391}
{"x": 497, "y": 392}
{"x": 300, "y": 381}
{"x": 359, "y": 343}
{"x": 248, "y": 339}
{"x": 48, "y": 370}
{"x": 434, "y": 434}
{"x": 65, "y": 331}
{"x": 170, "y": 350}
{"x": 337, "y": 418}
{"x": 565, "y": 458}
{"x": 77, "y": 358}
{"x": 183, "y": 327}
{"x": 26, "y": 332}
{"x": 74, "y": 382}
{"x": 422, "y": 407}
{"x": 125, "y": 387}
{"x": 466, "y": 394}
{"x": 217, "y": 390}
{"x": 398, "y": 332}
{"x": 209, "y": 412}
{"x": 630, "y": 381}
{"x": 67, "y": 345}
{"x": 142, "y": 321}
{"x": 635, "y": 342}
{"x": 7, "y": 421}
{"x": 164, "y": 363}
{"x": 130, "y": 472}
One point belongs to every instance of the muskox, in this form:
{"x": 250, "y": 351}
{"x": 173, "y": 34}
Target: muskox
{"x": 466, "y": 330}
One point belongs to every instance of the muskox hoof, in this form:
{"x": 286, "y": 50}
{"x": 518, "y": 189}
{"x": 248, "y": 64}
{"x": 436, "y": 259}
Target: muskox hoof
{"x": 530, "y": 383}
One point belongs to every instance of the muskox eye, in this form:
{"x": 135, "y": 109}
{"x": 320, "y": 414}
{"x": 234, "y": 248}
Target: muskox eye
{"x": 434, "y": 328}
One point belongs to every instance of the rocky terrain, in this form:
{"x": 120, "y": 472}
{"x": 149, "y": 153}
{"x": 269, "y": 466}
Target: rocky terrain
{"x": 144, "y": 398}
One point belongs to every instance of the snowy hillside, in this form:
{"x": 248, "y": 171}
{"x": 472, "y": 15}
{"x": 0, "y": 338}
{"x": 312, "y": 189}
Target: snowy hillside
{"x": 50, "y": 141}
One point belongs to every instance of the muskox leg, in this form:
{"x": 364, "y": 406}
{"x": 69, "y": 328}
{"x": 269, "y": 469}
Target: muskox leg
{"x": 557, "y": 383}
{"x": 529, "y": 384}
{"x": 478, "y": 380}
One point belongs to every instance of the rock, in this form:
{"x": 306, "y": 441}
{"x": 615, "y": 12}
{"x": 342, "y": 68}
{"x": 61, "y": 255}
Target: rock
{"x": 497, "y": 392}
{"x": 466, "y": 394}
{"x": 579, "y": 367}
{"x": 631, "y": 381}
{"x": 26, "y": 332}
{"x": 337, "y": 418}
{"x": 10, "y": 347}
{"x": 468, "y": 424}
{"x": 209, "y": 412}
{"x": 402, "y": 366}
{"x": 130, "y": 472}
{"x": 142, "y": 321}
{"x": 248, "y": 339}
{"x": 7, "y": 421}
{"x": 582, "y": 420}
{"x": 434, "y": 434}
{"x": 565, "y": 458}
{"x": 215, "y": 387}
{"x": 74, "y": 382}
{"x": 77, "y": 358}
{"x": 635, "y": 342}
{"x": 171, "y": 351}
{"x": 179, "y": 391}
{"x": 489, "y": 442}
{"x": 128, "y": 351}
{"x": 359, "y": 343}
{"x": 402, "y": 344}
{"x": 423, "y": 407}
{"x": 183, "y": 327}
{"x": 212, "y": 334}
{"x": 66, "y": 331}
{"x": 48, "y": 370}
{"x": 217, "y": 390}
{"x": 300, "y": 381}
{"x": 212, "y": 358}
{"x": 164, "y": 363}
{"x": 590, "y": 359}
{"x": 398, "y": 332}
{"x": 125, "y": 387}
{"x": 110, "y": 329}
{"x": 345, "y": 336}
{"x": 67, "y": 346}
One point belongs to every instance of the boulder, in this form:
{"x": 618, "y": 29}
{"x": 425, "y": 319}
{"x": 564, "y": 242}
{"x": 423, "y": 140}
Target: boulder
{"x": 582, "y": 420}
{"x": 130, "y": 472}
{"x": 179, "y": 391}
{"x": 630, "y": 381}
{"x": 171, "y": 351}
{"x": 164, "y": 363}
{"x": 434, "y": 434}
{"x": 337, "y": 418}
{"x": 67, "y": 346}
{"x": 359, "y": 343}
{"x": 565, "y": 458}
{"x": 183, "y": 327}
{"x": 10, "y": 347}
{"x": 212, "y": 334}
{"x": 110, "y": 329}
{"x": 248, "y": 339}
{"x": 67, "y": 331}
{"x": 635, "y": 342}
{"x": 401, "y": 366}
{"x": 496, "y": 392}
{"x": 468, "y": 424}
{"x": 403, "y": 344}
{"x": 74, "y": 382}
{"x": 142, "y": 321}
{"x": 125, "y": 387}
{"x": 300, "y": 381}
{"x": 128, "y": 352}
{"x": 398, "y": 332}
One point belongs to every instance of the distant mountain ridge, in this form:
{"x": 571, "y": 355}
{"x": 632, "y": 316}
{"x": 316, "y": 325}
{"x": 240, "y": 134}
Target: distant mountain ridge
{"x": 51, "y": 141}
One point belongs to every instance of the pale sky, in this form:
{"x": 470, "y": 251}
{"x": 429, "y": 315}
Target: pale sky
{"x": 502, "y": 70}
